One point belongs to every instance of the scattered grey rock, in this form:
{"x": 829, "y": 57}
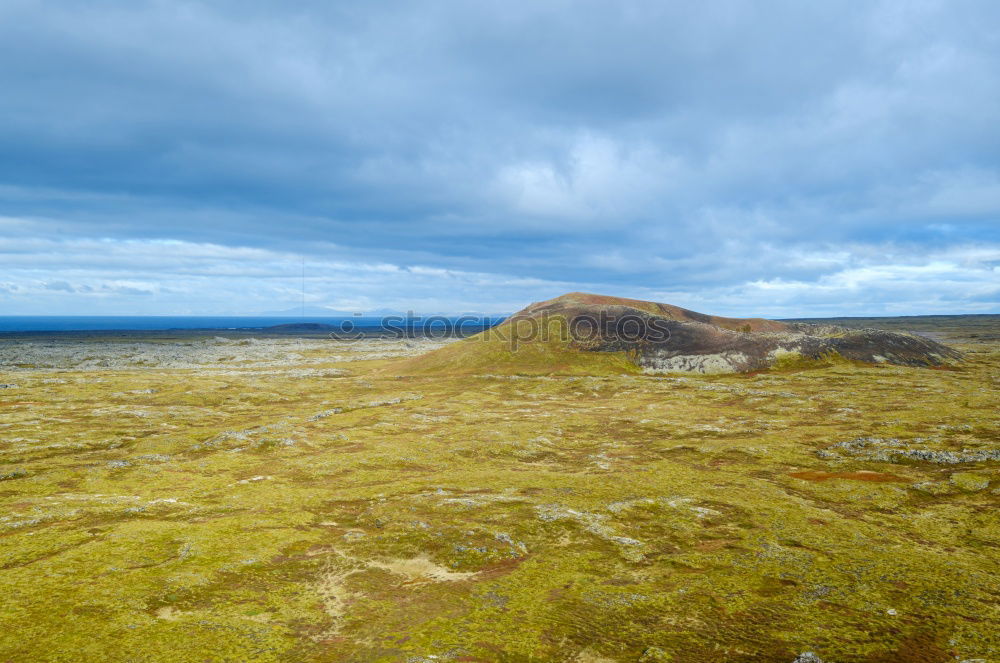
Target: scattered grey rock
{"x": 894, "y": 450}
{"x": 807, "y": 657}
{"x": 394, "y": 401}
{"x": 518, "y": 546}
{"x": 157, "y": 458}
{"x": 595, "y": 523}
{"x": 8, "y": 385}
{"x": 933, "y": 488}
{"x": 13, "y": 474}
{"x": 461, "y": 548}
{"x": 654, "y": 655}
{"x": 496, "y": 600}
{"x": 325, "y": 413}
{"x": 254, "y": 479}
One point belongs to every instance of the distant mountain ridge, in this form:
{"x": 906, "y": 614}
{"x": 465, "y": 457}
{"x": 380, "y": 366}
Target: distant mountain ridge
{"x": 327, "y": 312}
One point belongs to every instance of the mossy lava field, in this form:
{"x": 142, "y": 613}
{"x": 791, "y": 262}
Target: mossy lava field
{"x": 205, "y": 498}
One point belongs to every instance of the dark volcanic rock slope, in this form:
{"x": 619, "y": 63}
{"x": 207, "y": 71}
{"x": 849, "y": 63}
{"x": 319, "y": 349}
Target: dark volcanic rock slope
{"x": 665, "y": 338}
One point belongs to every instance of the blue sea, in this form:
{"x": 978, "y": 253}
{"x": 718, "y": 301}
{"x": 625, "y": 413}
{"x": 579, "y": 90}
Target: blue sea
{"x": 69, "y": 323}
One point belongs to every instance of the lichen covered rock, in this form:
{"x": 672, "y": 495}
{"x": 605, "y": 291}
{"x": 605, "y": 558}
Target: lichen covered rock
{"x": 970, "y": 481}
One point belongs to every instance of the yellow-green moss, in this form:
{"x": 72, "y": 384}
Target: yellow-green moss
{"x": 240, "y": 515}
{"x": 520, "y": 348}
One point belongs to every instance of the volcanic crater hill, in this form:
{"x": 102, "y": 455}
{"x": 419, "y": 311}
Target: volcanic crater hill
{"x": 581, "y": 333}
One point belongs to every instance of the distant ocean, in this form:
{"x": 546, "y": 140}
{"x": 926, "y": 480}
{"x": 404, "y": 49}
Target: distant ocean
{"x": 67, "y": 323}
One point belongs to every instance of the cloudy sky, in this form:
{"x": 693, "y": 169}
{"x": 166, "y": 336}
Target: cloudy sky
{"x": 759, "y": 157}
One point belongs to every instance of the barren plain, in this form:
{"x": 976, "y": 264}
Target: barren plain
{"x": 208, "y": 498}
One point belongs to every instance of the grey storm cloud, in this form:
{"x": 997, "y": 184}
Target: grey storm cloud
{"x": 772, "y": 155}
